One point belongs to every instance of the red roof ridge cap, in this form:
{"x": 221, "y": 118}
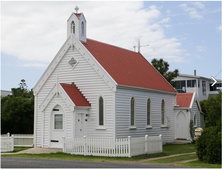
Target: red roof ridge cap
{"x": 113, "y": 45}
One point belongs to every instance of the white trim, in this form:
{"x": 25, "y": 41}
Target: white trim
{"x": 144, "y": 89}
{"x": 100, "y": 128}
{"x": 52, "y": 66}
{"x": 149, "y": 127}
{"x": 132, "y": 128}
{"x": 35, "y": 119}
{"x": 192, "y": 100}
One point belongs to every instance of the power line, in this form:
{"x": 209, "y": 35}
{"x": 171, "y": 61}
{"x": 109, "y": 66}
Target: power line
{"x": 218, "y": 73}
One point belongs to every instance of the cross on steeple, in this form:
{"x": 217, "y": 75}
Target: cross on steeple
{"x": 76, "y": 8}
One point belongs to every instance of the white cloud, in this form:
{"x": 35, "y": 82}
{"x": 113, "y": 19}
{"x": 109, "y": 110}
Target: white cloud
{"x": 199, "y": 5}
{"x": 168, "y": 11}
{"x": 219, "y": 27}
{"x": 35, "y": 31}
{"x": 192, "y": 11}
{"x": 165, "y": 20}
{"x": 201, "y": 48}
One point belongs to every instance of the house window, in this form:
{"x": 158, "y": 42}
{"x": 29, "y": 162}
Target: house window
{"x": 148, "y": 112}
{"x": 58, "y": 121}
{"x": 181, "y": 86}
{"x": 82, "y": 28}
{"x": 72, "y": 27}
{"x": 132, "y": 112}
{"x": 162, "y": 112}
{"x": 101, "y": 113}
{"x": 204, "y": 87}
{"x": 191, "y": 83}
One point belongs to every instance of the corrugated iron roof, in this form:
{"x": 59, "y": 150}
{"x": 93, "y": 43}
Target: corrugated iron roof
{"x": 75, "y": 94}
{"x": 184, "y": 99}
{"x": 127, "y": 67}
{"x": 78, "y": 15}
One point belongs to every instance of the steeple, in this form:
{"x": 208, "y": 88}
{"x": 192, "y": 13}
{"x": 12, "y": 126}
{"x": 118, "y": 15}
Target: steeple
{"x": 76, "y": 25}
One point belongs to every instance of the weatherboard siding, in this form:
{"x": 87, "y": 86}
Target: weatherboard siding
{"x": 92, "y": 87}
{"x": 123, "y": 98}
{"x": 195, "y": 110}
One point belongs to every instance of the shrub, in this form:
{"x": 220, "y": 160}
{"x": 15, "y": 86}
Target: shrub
{"x": 209, "y": 144}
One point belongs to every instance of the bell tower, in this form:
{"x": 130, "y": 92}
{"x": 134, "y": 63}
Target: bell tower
{"x": 76, "y": 25}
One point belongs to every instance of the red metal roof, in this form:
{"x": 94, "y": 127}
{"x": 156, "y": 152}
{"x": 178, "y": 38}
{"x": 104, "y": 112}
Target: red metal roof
{"x": 75, "y": 94}
{"x": 78, "y": 15}
{"x": 184, "y": 99}
{"x": 127, "y": 67}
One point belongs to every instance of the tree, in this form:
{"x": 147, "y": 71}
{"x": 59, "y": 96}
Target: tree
{"x": 209, "y": 144}
{"x": 162, "y": 67}
{"x": 17, "y": 111}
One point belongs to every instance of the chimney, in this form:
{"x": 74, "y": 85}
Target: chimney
{"x": 195, "y": 72}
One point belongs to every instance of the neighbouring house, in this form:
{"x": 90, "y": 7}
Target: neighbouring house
{"x": 202, "y": 86}
{"x": 5, "y": 93}
{"x": 95, "y": 89}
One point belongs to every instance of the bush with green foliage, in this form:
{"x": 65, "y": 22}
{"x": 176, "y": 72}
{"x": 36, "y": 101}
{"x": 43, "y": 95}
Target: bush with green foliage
{"x": 17, "y": 111}
{"x": 209, "y": 143}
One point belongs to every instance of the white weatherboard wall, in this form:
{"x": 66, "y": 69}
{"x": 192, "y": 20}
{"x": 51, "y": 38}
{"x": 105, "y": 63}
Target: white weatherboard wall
{"x": 92, "y": 86}
{"x": 195, "y": 110}
{"x": 123, "y": 98}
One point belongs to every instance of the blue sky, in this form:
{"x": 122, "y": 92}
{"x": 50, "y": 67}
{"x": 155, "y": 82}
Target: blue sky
{"x": 187, "y": 34}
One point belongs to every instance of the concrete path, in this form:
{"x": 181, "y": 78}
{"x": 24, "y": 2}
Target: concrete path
{"x": 37, "y": 151}
{"x": 157, "y": 158}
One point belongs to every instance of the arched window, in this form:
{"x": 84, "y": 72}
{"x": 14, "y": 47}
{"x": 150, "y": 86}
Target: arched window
{"x": 132, "y": 112}
{"x": 148, "y": 112}
{"x": 195, "y": 120}
{"x": 73, "y": 27}
{"x": 163, "y": 112}
{"x": 82, "y": 28}
{"x": 101, "y": 115}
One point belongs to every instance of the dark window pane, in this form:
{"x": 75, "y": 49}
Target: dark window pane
{"x": 101, "y": 111}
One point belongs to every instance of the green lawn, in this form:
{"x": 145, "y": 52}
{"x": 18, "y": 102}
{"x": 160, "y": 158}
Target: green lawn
{"x": 199, "y": 164}
{"x": 17, "y": 149}
{"x": 168, "y": 149}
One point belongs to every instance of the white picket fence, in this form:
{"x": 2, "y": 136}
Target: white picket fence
{"x": 7, "y": 143}
{"x": 123, "y": 147}
{"x": 23, "y": 140}
{"x": 19, "y": 140}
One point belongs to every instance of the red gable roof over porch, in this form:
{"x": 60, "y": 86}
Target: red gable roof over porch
{"x": 184, "y": 99}
{"x": 127, "y": 67}
{"x": 75, "y": 95}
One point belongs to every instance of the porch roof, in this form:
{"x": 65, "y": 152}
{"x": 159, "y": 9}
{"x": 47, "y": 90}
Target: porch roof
{"x": 184, "y": 99}
{"x": 75, "y": 95}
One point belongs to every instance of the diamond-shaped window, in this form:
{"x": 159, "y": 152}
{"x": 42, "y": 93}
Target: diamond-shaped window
{"x": 72, "y": 62}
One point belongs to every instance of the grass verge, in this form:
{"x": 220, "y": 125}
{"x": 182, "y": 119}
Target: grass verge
{"x": 17, "y": 149}
{"x": 168, "y": 149}
{"x": 199, "y": 164}
{"x": 173, "y": 159}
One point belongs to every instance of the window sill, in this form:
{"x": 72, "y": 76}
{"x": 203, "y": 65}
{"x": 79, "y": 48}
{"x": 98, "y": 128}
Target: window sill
{"x": 149, "y": 127}
{"x": 132, "y": 128}
{"x": 101, "y": 128}
{"x": 164, "y": 126}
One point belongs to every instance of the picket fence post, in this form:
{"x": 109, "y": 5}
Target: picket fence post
{"x": 8, "y": 134}
{"x": 146, "y": 144}
{"x": 129, "y": 145}
{"x": 64, "y": 144}
{"x": 161, "y": 146}
{"x": 12, "y": 138}
{"x": 84, "y": 141}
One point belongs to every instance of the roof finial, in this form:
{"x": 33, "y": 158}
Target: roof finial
{"x": 76, "y": 8}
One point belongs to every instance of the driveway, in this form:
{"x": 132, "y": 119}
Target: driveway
{"x": 9, "y": 162}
